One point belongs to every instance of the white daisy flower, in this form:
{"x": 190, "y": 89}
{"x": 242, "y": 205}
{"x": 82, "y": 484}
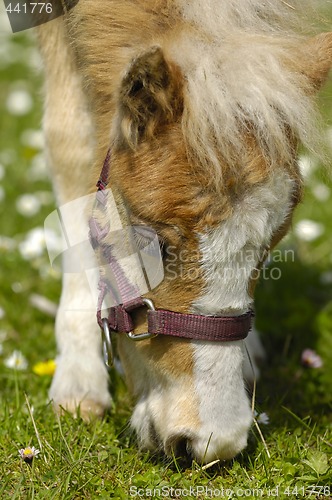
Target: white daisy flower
{"x": 17, "y": 287}
{"x": 33, "y": 245}
{"x": 321, "y": 192}
{"x": 311, "y": 359}
{"x": 28, "y": 454}
{"x": 28, "y": 205}
{"x": 16, "y": 361}
{"x": 33, "y": 138}
{"x": 262, "y": 418}
{"x": 308, "y": 230}
{"x": 19, "y": 102}
{"x": 307, "y": 165}
{"x": 39, "y": 169}
{"x": 43, "y": 304}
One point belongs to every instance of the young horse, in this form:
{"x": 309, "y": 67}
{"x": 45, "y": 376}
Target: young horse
{"x": 203, "y": 105}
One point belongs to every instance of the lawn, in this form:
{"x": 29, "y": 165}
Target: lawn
{"x": 288, "y": 456}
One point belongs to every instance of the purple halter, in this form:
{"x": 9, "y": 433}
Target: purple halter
{"x": 160, "y": 321}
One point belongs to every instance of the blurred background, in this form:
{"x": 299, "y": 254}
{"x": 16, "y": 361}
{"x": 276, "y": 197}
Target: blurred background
{"x": 294, "y": 303}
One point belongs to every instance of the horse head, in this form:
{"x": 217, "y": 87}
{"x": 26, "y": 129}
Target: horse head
{"x": 204, "y": 152}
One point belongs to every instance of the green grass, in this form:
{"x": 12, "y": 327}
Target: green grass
{"x": 101, "y": 460}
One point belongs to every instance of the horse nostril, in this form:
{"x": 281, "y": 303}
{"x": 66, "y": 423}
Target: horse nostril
{"x": 179, "y": 445}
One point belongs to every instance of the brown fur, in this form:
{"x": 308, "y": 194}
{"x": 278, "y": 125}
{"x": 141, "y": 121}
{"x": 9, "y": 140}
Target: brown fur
{"x": 126, "y": 75}
{"x": 111, "y": 80}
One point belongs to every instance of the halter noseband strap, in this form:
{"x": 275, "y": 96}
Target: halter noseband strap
{"x": 182, "y": 325}
{"x": 160, "y": 321}
{"x": 198, "y": 327}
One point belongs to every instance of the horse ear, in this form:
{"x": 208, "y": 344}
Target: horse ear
{"x": 150, "y": 96}
{"x": 315, "y": 59}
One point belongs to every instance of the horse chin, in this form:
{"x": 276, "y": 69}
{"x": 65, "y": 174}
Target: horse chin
{"x": 222, "y": 445}
{"x": 205, "y": 444}
{"x": 203, "y": 416}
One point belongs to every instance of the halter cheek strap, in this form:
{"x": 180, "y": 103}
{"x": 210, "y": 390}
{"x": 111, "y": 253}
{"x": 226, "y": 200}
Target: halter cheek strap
{"x": 160, "y": 321}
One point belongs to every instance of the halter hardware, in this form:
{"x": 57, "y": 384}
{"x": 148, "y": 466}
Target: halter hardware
{"x": 143, "y": 336}
{"x": 108, "y": 351}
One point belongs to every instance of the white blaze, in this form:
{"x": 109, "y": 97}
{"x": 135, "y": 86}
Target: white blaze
{"x": 229, "y": 255}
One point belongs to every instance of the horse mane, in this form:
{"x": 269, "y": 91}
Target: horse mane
{"x": 239, "y": 61}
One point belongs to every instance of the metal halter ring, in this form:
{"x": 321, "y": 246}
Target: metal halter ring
{"x": 107, "y": 344}
{"x": 143, "y": 336}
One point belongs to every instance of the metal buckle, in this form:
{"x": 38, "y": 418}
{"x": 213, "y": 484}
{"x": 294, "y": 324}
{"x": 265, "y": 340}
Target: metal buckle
{"x": 107, "y": 344}
{"x": 143, "y": 336}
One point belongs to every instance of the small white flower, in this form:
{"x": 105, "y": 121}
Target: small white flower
{"x": 19, "y": 102}
{"x": 308, "y": 230}
{"x": 311, "y": 359}
{"x": 33, "y": 245}
{"x": 29, "y": 453}
{"x": 33, "y": 138}
{"x": 28, "y": 205}
{"x": 307, "y": 165}
{"x": 321, "y": 192}
{"x": 16, "y": 361}
{"x": 262, "y": 418}
{"x": 38, "y": 170}
{"x": 17, "y": 287}
{"x": 43, "y": 304}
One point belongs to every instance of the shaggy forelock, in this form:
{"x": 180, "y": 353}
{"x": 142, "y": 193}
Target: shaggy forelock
{"x": 236, "y": 58}
{"x": 223, "y": 16}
